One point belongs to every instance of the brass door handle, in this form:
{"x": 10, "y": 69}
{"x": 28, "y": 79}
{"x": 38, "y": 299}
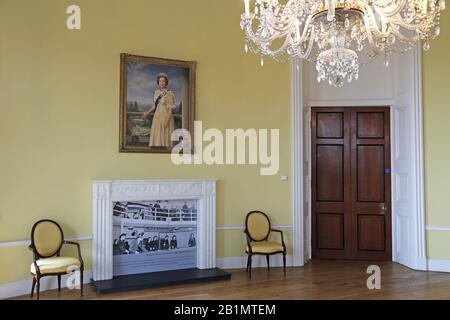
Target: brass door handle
{"x": 383, "y": 207}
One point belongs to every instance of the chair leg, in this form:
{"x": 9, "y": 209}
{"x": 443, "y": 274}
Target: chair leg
{"x": 32, "y": 287}
{"x": 248, "y": 263}
{"x": 38, "y": 287}
{"x": 250, "y": 266}
{"x": 268, "y": 262}
{"x": 81, "y": 281}
{"x": 284, "y": 263}
{"x": 59, "y": 283}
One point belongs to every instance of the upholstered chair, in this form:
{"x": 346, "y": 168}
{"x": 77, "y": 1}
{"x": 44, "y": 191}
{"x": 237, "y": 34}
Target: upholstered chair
{"x": 47, "y": 240}
{"x": 258, "y": 229}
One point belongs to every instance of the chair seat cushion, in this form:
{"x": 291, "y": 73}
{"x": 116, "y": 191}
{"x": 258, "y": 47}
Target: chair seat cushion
{"x": 56, "y": 265}
{"x": 265, "y": 247}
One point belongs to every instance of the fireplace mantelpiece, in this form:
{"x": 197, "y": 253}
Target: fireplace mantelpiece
{"x": 106, "y": 192}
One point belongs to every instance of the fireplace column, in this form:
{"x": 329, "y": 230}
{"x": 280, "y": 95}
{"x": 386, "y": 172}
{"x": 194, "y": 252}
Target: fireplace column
{"x": 102, "y": 258}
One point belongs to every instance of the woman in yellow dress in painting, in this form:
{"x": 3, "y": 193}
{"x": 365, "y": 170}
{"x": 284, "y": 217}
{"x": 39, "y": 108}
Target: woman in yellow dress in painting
{"x": 163, "y": 105}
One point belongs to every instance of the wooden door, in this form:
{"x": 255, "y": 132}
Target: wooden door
{"x": 351, "y": 202}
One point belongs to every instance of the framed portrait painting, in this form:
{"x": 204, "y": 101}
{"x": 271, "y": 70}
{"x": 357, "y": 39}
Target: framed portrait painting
{"x": 157, "y": 96}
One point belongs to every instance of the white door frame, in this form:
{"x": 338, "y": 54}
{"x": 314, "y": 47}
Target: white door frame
{"x": 408, "y": 239}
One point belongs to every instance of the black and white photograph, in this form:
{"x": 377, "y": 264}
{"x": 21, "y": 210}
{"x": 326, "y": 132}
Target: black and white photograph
{"x": 152, "y": 236}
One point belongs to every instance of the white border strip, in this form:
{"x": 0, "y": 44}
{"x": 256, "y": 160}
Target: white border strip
{"x": 25, "y": 243}
{"x": 240, "y": 262}
{"x": 438, "y": 265}
{"x": 241, "y": 227}
{"x": 437, "y": 228}
{"x": 340, "y": 103}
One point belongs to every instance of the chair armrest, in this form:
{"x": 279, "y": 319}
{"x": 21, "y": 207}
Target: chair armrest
{"x": 35, "y": 258}
{"x": 282, "y": 237}
{"x": 78, "y": 249}
{"x": 248, "y": 241}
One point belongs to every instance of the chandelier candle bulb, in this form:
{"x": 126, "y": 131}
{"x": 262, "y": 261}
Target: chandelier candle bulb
{"x": 424, "y": 6}
{"x": 331, "y": 10}
{"x": 247, "y": 8}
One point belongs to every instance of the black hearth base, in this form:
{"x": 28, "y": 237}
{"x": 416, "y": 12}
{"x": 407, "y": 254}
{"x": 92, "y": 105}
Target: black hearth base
{"x": 159, "y": 279}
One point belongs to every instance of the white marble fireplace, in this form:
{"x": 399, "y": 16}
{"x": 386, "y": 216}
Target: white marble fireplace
{"x": 108, "y": 192}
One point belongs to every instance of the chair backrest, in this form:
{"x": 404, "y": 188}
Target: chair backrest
{"x": 47, "y": 238}
{"x": 257, "y": 225}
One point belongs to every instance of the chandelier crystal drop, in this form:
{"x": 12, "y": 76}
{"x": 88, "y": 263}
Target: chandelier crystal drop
{"x": 338, "y": 34}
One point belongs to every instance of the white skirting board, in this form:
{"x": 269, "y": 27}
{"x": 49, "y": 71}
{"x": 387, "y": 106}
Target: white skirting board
{"x": 257, "y": 262}
{"x": 23, "y": 287}
{"x": 438, "y": 265}
{"x": 277, "y": 261}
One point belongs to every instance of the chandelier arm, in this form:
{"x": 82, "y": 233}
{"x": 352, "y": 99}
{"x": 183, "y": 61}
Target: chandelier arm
{"x": 281, "y": 49}
{"x": 371, "y": 25}
{"x": 273, "y": 24}
{"x": 255, "y": 38}
{"x": 396, "y": 21}
{"x": 271, "y": 20}
{"x": 305, "y": 28}
{"x": 393, "y": 17}
{"x": 280, "y": 32}
{"x": 310, "y": 46}
{"x": 402, "y": 23}
{"x": 370, "y": 34}
{"x": 278, "y": 51}
{"x": 401, "y": 36}
{"x": 389, "y": 13}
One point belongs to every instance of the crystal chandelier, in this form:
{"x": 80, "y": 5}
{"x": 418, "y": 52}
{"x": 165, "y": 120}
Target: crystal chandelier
{"x": 331, "y": 32}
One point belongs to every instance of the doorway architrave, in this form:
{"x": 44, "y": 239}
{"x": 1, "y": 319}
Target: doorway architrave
{"x": 408, "y": 242}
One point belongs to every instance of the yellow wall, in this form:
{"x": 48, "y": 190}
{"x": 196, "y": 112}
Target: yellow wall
{"x": 59, "y": 122}
{"x": 59, "y": 119}
{"x": 436, "y": 85}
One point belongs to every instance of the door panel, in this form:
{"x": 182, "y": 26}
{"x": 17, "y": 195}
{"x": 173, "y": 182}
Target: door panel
{"x": 370, "y": 173}
{"x": 351, "y": 199}
{"x": 371, "y": 232}
{"x": 370, "y": 125}
{"x": 330, "y": 227}
{"x": 330, "y": 172}
{"x": 330, "y": 125}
